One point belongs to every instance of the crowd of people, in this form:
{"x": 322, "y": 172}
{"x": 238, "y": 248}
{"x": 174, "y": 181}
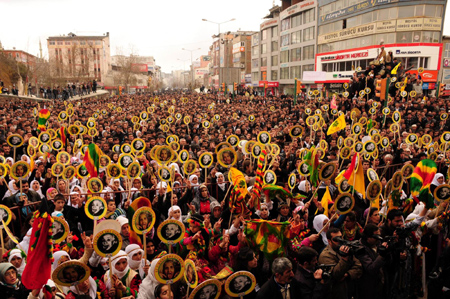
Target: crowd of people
{"x": 376, "y": 249}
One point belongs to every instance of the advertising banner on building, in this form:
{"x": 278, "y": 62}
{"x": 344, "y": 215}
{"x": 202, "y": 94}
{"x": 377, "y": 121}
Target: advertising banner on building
{"x": 139, "y": 67}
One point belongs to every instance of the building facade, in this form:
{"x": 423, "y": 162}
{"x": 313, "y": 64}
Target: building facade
{"x": 351, "y": 33}
{"x": 79, "y": 58}
{"x": 285, "y": 47}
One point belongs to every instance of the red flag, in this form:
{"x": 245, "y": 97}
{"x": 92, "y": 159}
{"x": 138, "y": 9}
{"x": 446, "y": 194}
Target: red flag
{"x": 351, "y": 169}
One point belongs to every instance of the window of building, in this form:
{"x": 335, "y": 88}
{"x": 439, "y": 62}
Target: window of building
{"x": 255, "y": 76}
{"x": 308, "y": 52}
{"x": 82, "y": 43}
{"x": 67, "y": 43}
{"x": 97, "y": 42}
{"x": 296, "y": 72}
{"x": 309, "y": 16}
{"x": 284, "y": 73}
{"x": 59, "y": 43}
{"x": 274, "y": 75}
{"x": 274, "y": 61}
{"x": 274, "y": 46}
{"x": 264, "y": 34}
{"x": 308, "y": 34}
{"x": 296, "y": 21}
{"x": 447, "y": 50}
{"x": 423, "y": 62}
{"x": 404, "y": 37}
{"x": 263, "y": 61}
{"x": 296, "y": 37}
{"x": 285, "y": 24}
{"x": 285, "y": 40}
{"x": 308, "y": 68}
{"x": 274, "y": 30}
{"x": 263, "y": 48}
{"x": 407, "y": 12}
{"x": 254, "y": 51}
{"x": 284, "y": 56}
{"x": 254, "y": 63}
{"x": 296, "y": 54}
{"x": 52, "y": 43}
{"x": 353, "y": 21}
{"x": 255, "y": 39}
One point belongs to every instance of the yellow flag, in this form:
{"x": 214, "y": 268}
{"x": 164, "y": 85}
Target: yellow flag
{"x": 394, "y": 70}
{"x": 337, "y": 125}
{"x": 404, "y": 84}
{"x": 357, "y": 178}
{"x": 339, "y": 177}
{"x": 326, "y": 200}
{"x": 237, "y": 178}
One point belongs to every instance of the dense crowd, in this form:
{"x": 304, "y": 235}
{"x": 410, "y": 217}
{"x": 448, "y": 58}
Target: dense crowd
{"x": 375, "y": 250}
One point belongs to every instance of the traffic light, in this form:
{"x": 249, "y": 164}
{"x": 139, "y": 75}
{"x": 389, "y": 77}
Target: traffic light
{"x": 235, "y": 86}
{"x": 223, "y": 87}
{"x": 380, "y": 89}
{"x": 440, "y": 90}
{"x": 299, "y": 86}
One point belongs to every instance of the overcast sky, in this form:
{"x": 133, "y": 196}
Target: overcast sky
{"x": 152, "y": 28}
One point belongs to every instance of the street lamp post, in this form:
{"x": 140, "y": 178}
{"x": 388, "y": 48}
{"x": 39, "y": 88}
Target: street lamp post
{"x": 192, "y": 76}
{"x": 218, "y": 36}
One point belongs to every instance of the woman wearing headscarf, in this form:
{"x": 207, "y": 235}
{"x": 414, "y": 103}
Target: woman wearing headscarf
{"x": 123, "y": 280}
{"x": 12, "y": 189}
{"x": 148, "y": 285}
{"x": 36, "y": 186}
{"x": 318, "y": 242}
{"x": 17, "y": 258}
{"x": 202, "y": 201}
{"x": 10, "y": 285}
{"x": 437, "y": 181}
{"x": 92, "y": 288}
{"x": 136, "y": 260}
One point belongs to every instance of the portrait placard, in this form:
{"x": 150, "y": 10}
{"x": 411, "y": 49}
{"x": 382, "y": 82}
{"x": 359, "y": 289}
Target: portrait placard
{"x": 107, "y": 242}
{"x": 171, "y": 231}
{"x": 5, "y": 215}
{"x": 20, "y": 170}
{"x": 240, "y": 284}
{"x": 71, "y": 273}
{"x": 208, "y": 289}
{"x": 344, "y": 203}
{"x": 143, "y": 220}
{"x": 60, "y": 230}
{"x": 95, "y": 207}
{"x": 227, "y": 157}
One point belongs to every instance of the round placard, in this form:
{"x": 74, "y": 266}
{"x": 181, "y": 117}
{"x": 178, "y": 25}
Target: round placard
{"x": 114, "y": 171}
{"x": 248, "y": 147}
{"x": 296, "y": 131}
{"x": 31, "y": 151}
{"x": 45, "y": 148}
{"x": 144, "y": 115}
{"x": 251, "y": 118}
{"x": 63, "y": 158}
{"x": 270, "y": 177}
{"x": 165, "y": 174}
{"x": 138, "y": 145}
{"x": 444, "y": 116}
{"x": 370, "y": 146}
{"x": 222, "y": 145}
{"x": 311, "y": 121}
{"x": 396, "y": 116}
{"x": 397, "y": 180}
{"x": 68, "y": 173}
{"x": 116, "y": 148}
{"x": 407, "y": 171}
{"x": 90, "y": 124}
{"x": 60, "y": 230}
{"x": 189, "y": 167}
{"x": 445, "y": 137}
{"x": 373, "y": 190}
{"x": 164, "y": 154}
{"x": 233, "y": 140}
{"x": 240, "y": 284}
{"x": 340, "y": 142}
{"x": 169, "y": 269}
{"x": 256, "y": 150}
{"x": 372, "y": 111}
{"x": 133, "y": 170}
{"x": 5, "y": 215}
{"x": 426, "y": 139}
{"x": 95, "y": 207}
{"x": 71, "y": 273}
{"x": 183, "y": 156}
{"x": 344, "y": 186}
{"x": 357, "y": 129}
{"x": 73, "y": 130}
{"x": 20, "y": 170}
{"x": 14, "y": 140}
{"x": 349, "y": 142}
{"x": 292, "y": 181}
{"x": 82, "y": 130}
{"x": 82, "y": 171}
{"x": 190, "y": 273}
{"x": 107, "y": 242}
{"x": 57, "y": 144}
{"x": 345, "y": 152}
{"x": 92, "y": 132}
{"x": 386, "y": 110}
{"x": 442, "y": 193}
{"x": 125, "y": 160}
{"x": 186, "y": 119}
{"x": 227, "y": 157}
{"x": 327, "y": 171}
{"x": 303, "y": 169}
{"x": 95, "y": 185}
{"x": 206, "y": 160}
{"x": 372, "y": 174}
{"x": 384, "y": 142}
{"x": 34, "y": 142}
{"x": 206, "y": 124}
{"x": 63, "y": 116}
{"x": 171, "y": 231}
{"x": 105, "y": 160}
{"x": 264, "y": 137}
{"x": 344, "y": 203}
{"x": 143, "y": 220}
{"x": 210, "y": 289}
{"x": 358, "y": 147}
{"x": 3, "y": 170}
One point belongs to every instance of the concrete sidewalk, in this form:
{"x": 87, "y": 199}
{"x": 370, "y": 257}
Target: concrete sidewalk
{"x": 76, "y": 98}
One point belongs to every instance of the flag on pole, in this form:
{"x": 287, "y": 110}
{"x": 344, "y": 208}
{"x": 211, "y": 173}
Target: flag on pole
{"x": 421, "y": 180}
{"x": 92, "y": 159}
{"x": 326, "y": 200}
{"x": 337, "y": 125}
{"x": 62, "y": 134}
{"x": 355, "y": 175}
{"x": 394, "y": 70}
{"x": 312, "y": 160}
{"x": 44, "y": 115}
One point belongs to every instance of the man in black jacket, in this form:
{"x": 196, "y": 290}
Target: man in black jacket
{"x": 312, "y": 284}
{"x": 282, "y": 285}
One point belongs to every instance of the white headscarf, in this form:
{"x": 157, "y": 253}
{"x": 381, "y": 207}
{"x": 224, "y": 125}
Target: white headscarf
{"x": 302, "y": 186}
{"x": 26, "y": 241}
{"x": 173, "y": 209}
{"x": 57, "y": 256}
{"x": 39, "y": 190}
{"x": 222, "y": 185}
{"x": 137, "y": 266}
{"x": 148, "y": 285}
{"x": 318, "y": 225}
{"x": 191, "y": 178}
{"x": 17, "y": 253}
{"x": 92, "y": 288}
{"x": 160, "y": 185}
{"x": 120, "y": 255}
{"x": 175, "y": 165}
{"x": 49, "y": 283}
{"x": 11, "y": 189}
{"x": 435, "y": 179}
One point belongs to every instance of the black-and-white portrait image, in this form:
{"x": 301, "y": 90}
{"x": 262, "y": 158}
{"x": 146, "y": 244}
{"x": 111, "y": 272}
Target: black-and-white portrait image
{"x": 82, "y": 171}
{"x": 3, "y": 215}
{"x": 304, "y": 169}
{"x": 264, "y": 138}
{"x": 125, "y": 161}
{"x": 256, "y": 150}
{"x": 184, "y": 156}
{"x": 344, "y": 186}
{"x": 292, "y": 181}
{"x": 370, "y": 146}
{"x": 82, "y": 130}
{"x": 385, "y": 142}
{"x": 108, "y": 243}
{"x": 44, "y": 137}
{"x": 138, "y": 145}
{"x": 144, "y": 115}
{"x": 344, "y": 202}
{"x": 296, "y": 131}
{"x": 206, "y": 160}
{"x": 269, "y": 177}
{"x": 15, "y": 140}
{"x": 233, "y": 140}
{"x": 57, "y": 145}
{"x": 126, "y": 149}
{"x": 442, "y": 192}
{"x": 412, "y": 138}
{"x": 170, "y": 139}
{"x": 396, "y": 116}
{"x": 340, "y": 141}
{"x": 63, "y": 115}
{"x": 209, "y": 291}
{"x": 446, "y": 137}
{"x": 58, "y": 230}
{"x": 171, "y": 231}
{"x": 96, "y": 207}
{"x": 90, "y": 124}
{"x": 357, "y": 129}
{"x": 165, "y": 174}
{"x": 206, "y": 124}
{"x": 240, "y": 284}
{"x": 359, "y": 147}
{"x": 372, "y": 175}
{"x": 327, "y": 171}
{"x": 116, "y": 148}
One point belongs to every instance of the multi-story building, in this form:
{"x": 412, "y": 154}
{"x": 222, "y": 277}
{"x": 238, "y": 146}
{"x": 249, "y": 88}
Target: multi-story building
{"x": 20, "y": 56}
{"x": 242, "y": 56}
{"x": 352, "y": 32}
{"x": 445, "y": 75}
{"x": 77, "y": 58}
